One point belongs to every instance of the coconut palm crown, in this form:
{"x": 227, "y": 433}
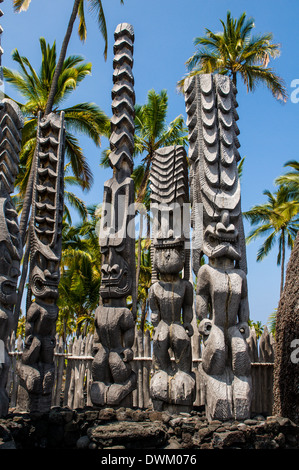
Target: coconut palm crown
{"x": 235, "y": 51}
{"x": 83, "y": 118}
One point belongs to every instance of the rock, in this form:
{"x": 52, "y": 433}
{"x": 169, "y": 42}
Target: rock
{"x": 265, "y": 442}
{"x": 92, "y": 445}
{"x": 173, "y": 444}
{"x": 107, "y": 414}
{"x": 7, "y": 445}
{"x": 91, "y": 415}
{"x": 250, "y": 422}
{"x": 280, "y": 439}
{"x": 83, "y": 442}
{"x": 132, "y": 435}
{"x": 6, "y": 439}
{"x": 228, "y": 439}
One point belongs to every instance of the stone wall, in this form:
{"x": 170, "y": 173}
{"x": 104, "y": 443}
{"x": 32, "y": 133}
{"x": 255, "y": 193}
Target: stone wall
{"x": 125, "y": 428}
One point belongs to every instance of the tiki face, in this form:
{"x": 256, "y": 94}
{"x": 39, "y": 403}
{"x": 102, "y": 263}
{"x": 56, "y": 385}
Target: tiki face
{"x": 116, "y": 281}
{"x": 10, "y": 253}
{"x": 169, "y": 258}
{"x": 45, "y": 278}
{"x": 9, "y": 276}
{"x": 222, "y": 238}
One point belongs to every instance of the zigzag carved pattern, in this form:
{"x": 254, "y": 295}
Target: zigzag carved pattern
{"x": 169, "y": 176}
{"x": 11, "y": 123}
{"x": 123, "y": 98}
{"x": 48, "y": 189}
{"x": 213, "y": 152}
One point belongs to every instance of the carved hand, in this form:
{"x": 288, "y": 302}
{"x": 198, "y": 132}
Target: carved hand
{"x": 155, "y": 319}
{"x": 128, "y": 355}
{"x": 204, "y": 327}
{"x": 189, "y": 328}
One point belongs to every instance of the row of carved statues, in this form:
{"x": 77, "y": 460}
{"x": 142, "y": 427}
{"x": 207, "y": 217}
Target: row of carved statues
{"x": 217, "y": 306}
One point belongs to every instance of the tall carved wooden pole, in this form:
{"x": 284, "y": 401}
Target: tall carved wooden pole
{"x": 36, "y": 370}
{"x": 113, "y": 378}
{"x": 172, "y": 386}
{"x": 11, "y": 123}
{"x": 221, "y": 295}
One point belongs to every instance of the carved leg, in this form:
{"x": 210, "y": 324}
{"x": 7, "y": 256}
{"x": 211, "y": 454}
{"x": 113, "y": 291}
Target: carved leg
{"x": 4, "y": 399}
{"x": 120, "y": 370}
{"x": 116, "y": 393}
{"x": 100, "y": 374}
{"x": 99, "y": 366}
{"x": 216, "y": 376}
{"x": 214, "y": 351}
{"x": 180, "y": 343}
{"x": 241, "y": 364}
{"x": 161, "y": 344}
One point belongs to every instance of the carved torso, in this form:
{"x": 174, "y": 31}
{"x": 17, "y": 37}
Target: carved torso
{"x": 170, "y": 298}
{"x": 225, "y": 288}
{"x": 111, "y": 323}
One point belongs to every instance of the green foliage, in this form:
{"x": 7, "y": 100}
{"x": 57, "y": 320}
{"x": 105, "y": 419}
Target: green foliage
{"x": 84, "y": 118}
{"x": 21, "y": 327}
{"x": 95, "y": 7}
{"x": 278, "y": 220}
{"x": 257, "y": 326}
{"x": 272, "y": 322}
{"x": 80, "y": 275}
{"x": 236, "y": 51}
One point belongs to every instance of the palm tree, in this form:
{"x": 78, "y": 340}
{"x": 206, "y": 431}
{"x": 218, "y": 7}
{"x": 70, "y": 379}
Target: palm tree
{"x": 257, "y": 326}
{"x": 78, "y": 10}
{"x": 85, "y": 118}
{"x": 235, "y": 51}
{"x": 80, "y": 274}
{"x": 144, "y": 282}
{"x": 290, "y": 179}
{"x": 278, "y": 220}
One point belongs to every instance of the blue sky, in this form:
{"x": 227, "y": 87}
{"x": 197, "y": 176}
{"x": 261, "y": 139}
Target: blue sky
{"x": 164, "y": 33}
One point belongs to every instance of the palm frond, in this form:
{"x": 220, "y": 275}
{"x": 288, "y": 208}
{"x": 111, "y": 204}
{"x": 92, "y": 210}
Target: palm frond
{"x": 21, "y": 5}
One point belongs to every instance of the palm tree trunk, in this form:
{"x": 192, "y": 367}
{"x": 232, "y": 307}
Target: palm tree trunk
{"x": 144, "y": 181}
{"x": 282, "y": 260}
{"x": 61, "y": 58}
{"x": 234, "y": 78}
{"x": 17, "y": 308}
{"x": 143, "y": 316}
{"x": 139, "y": 252}
{"x": 27, "y": 200}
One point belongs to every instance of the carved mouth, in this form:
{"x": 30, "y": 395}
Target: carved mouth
{"x": 222, "y": 249}
{"x": 116, "y": 287}
{"x": 42, "y": 287}
{"x": 8, "y": 287}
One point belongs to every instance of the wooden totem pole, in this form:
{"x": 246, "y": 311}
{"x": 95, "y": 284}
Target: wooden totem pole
{"x": 113, "y": 377}
{"x": 11, "y": 123}
{"x": 172, "y": 385}
{"x": 36, "y": 370}
{"x": 221, "y": 292}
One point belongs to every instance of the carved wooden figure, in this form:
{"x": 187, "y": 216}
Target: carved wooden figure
{"x": 11, "y": 123}
{"x": 113, "y": 377}
{"x": 36, "y": 370}
{"x": 172, "y": 386}
{"x": 221, "y": 295}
